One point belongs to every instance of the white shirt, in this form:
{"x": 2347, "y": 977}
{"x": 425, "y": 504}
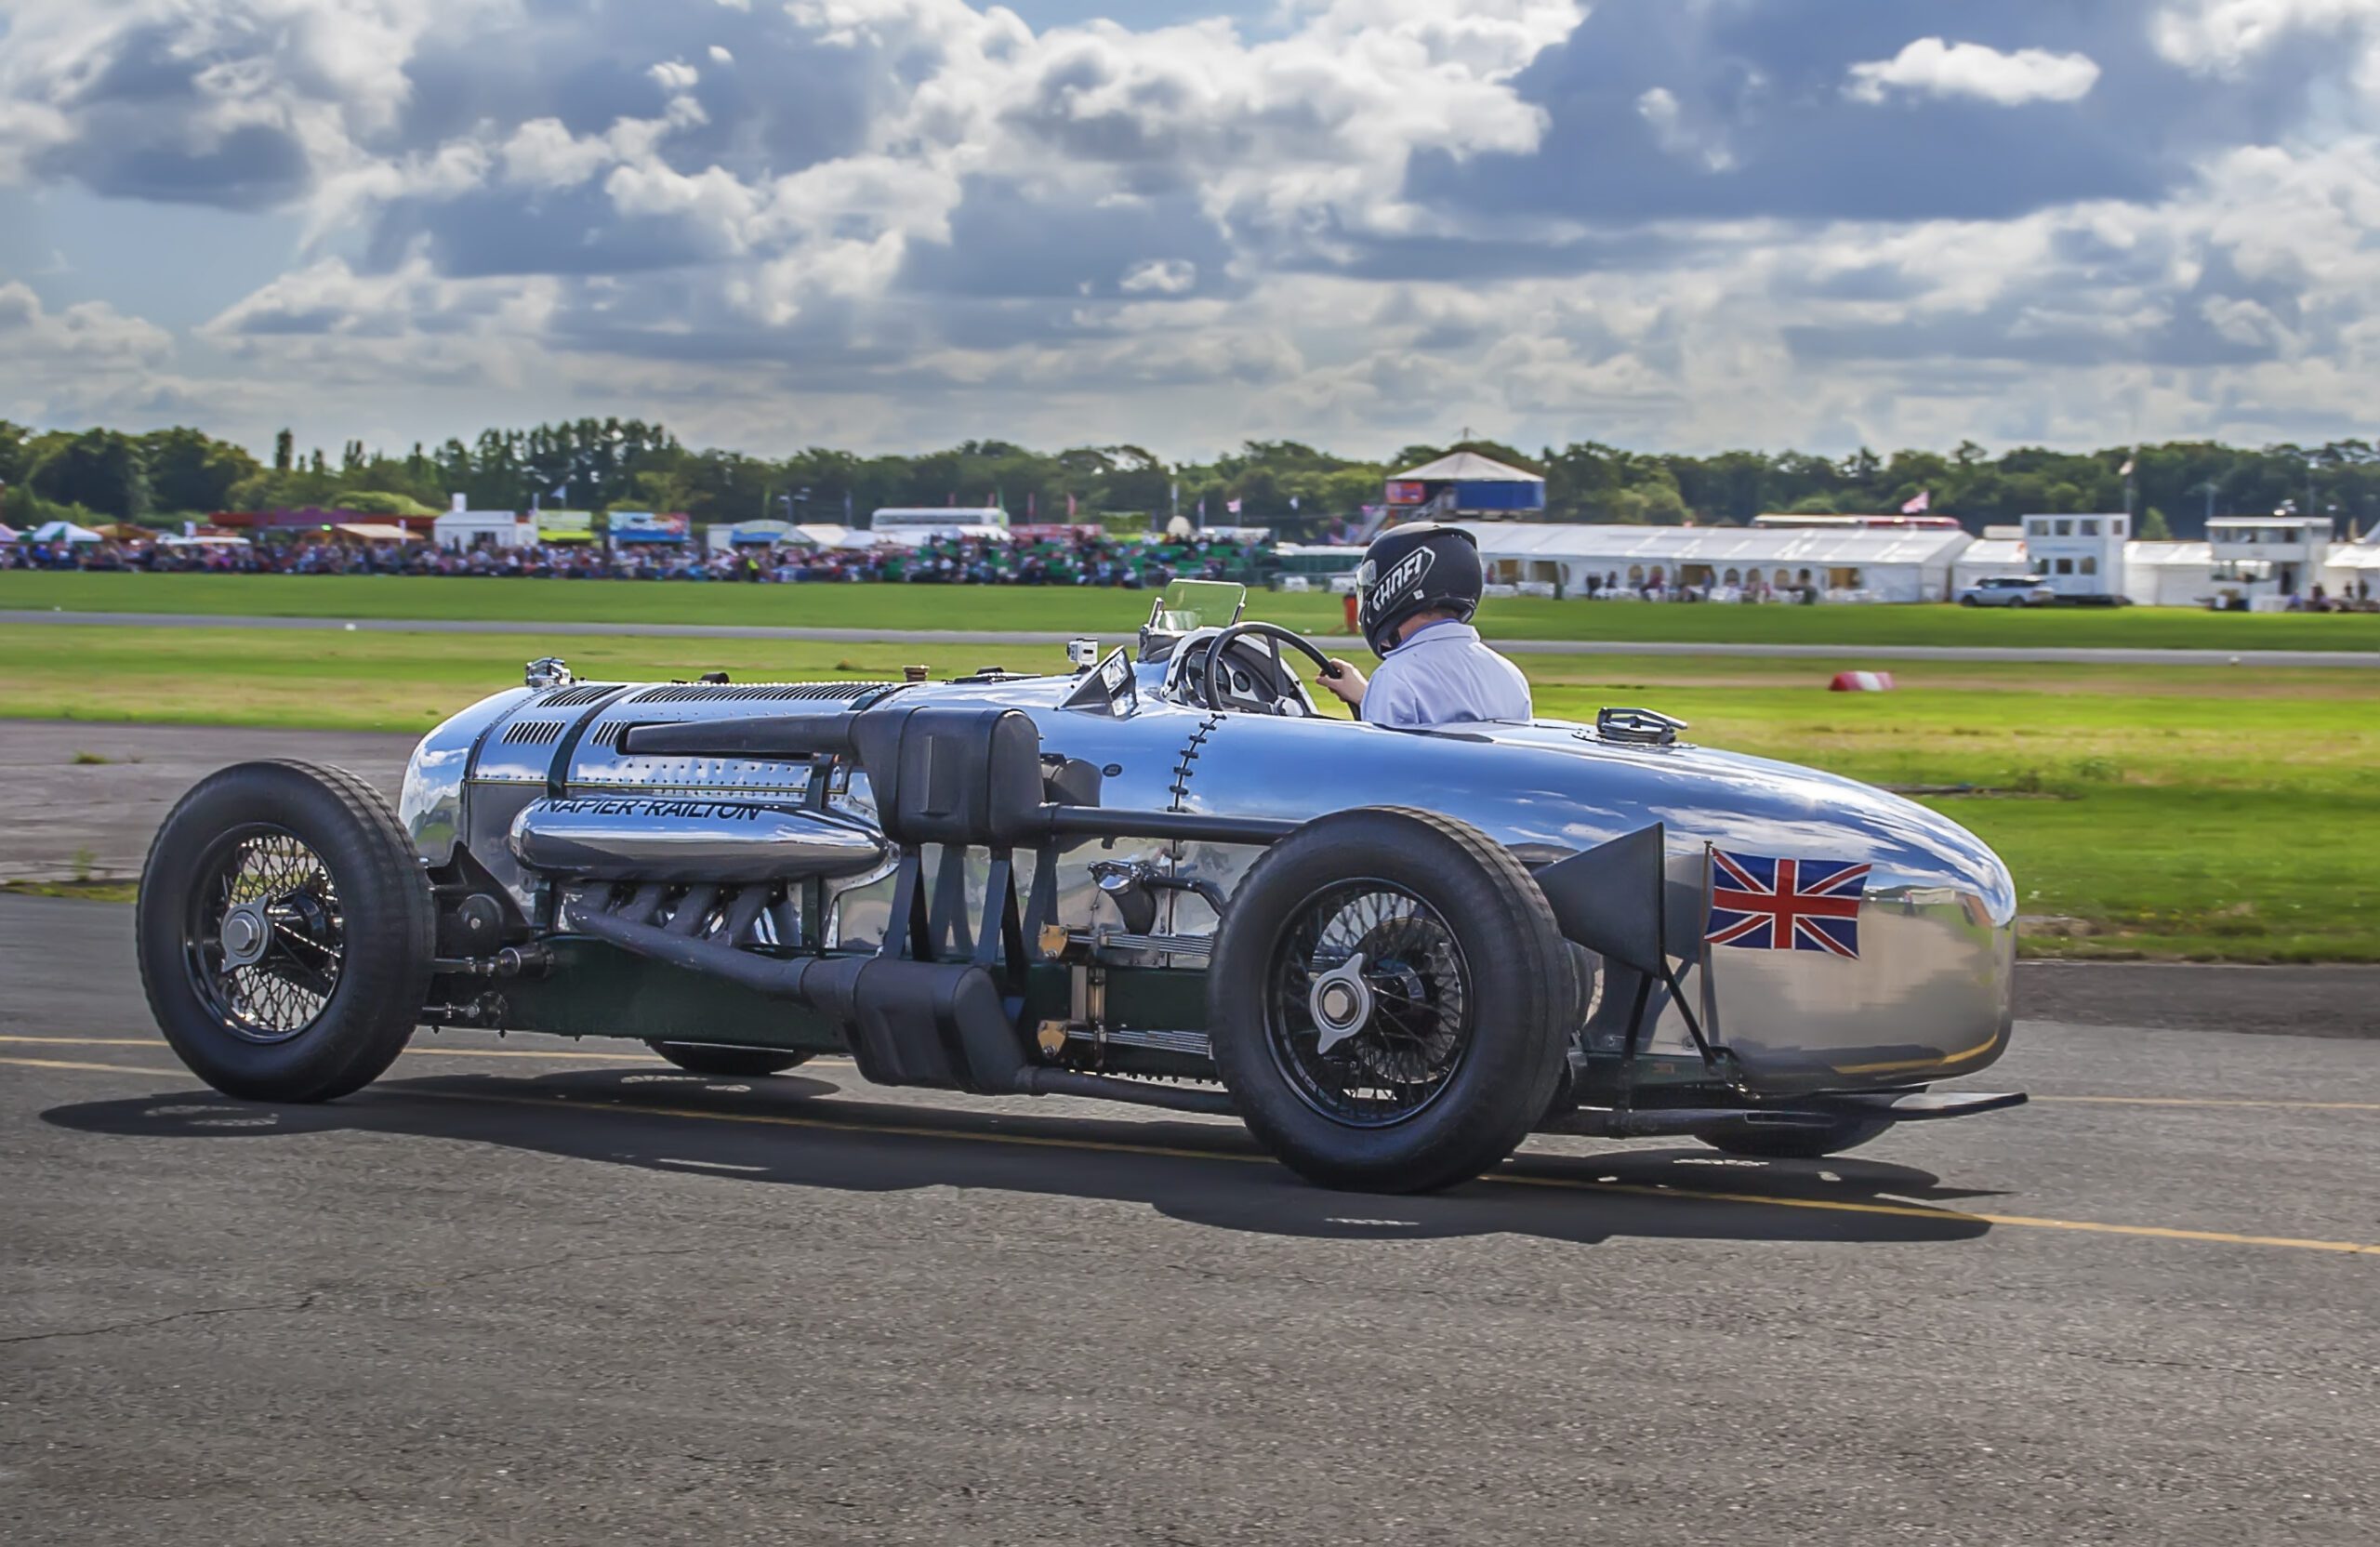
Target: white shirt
{"x": 1443, "y": 675}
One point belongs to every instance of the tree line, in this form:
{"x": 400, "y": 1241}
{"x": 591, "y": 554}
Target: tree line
{"x": 102, "y": 474}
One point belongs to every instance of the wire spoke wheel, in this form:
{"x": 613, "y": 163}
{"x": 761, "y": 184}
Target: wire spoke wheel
{"x": 265, "y": 939}
{"x": 1370, "y": 1004}
{"x": 286, "y": 932}
{"x": 1389, "y": 1000}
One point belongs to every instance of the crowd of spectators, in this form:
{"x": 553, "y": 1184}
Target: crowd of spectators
{"x": 1084, "y": 559}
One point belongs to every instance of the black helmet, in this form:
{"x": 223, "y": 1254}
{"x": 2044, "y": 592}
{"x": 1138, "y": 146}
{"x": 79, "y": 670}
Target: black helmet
{"x": 1414, "y": 568}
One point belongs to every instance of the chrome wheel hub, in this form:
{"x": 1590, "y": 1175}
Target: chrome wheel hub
{"x": 245, "y": 934}
{"x": 265, "y": 940}
{"x": 1340, "y": 1001}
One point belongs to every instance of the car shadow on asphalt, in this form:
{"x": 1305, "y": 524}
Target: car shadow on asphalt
{"x": 804, "y": 1132}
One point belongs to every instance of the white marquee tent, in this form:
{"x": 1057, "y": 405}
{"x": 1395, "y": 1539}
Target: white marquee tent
{"x": 1988, "y": 557}
{"x": 2352, "y": 565}
{"x": 1880, "y": 565}
{"x": 2158, "y": 572}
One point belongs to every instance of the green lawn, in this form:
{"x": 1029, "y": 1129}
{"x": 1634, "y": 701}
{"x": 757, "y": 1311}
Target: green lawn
{"x": 975, "y": 607}
{"x": 2206, "y": 812}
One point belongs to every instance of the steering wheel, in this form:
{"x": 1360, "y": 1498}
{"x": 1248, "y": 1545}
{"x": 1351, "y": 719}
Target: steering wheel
{"x": 1214, "y": 680}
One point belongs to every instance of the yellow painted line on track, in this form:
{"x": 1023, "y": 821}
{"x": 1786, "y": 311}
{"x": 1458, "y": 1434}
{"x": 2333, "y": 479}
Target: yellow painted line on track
{"x": 1505, "y": 1178}
{"x": 623, "y": 1057}
{"x": 421, "y": 1049}
{"x": 101, "y": 1068}
{"x": 2213, "y": 1101}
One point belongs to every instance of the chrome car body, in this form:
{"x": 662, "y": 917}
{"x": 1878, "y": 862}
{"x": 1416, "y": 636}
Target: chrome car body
{"x": 1926, "y": 997}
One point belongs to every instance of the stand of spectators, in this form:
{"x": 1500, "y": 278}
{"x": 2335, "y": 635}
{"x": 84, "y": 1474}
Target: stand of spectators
{"x": 978, "y": 560}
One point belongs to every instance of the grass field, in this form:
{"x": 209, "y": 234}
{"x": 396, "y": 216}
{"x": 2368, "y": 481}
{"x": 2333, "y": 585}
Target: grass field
{"x": 2205, "y": 812}
{"x": 977, "y": 607}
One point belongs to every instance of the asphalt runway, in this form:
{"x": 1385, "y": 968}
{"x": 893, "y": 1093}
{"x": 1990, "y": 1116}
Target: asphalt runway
{"x": 526, "y": 1290}
{"x": 1852, "y": 653}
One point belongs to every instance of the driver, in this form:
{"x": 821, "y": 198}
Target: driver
{"x": 1420, "y": 584}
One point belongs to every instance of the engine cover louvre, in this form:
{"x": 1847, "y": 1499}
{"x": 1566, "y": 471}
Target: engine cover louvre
{"x": 756, "y": 693}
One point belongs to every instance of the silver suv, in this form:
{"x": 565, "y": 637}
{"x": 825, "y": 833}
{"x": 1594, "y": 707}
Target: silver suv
{"x": 2008, "y": 590}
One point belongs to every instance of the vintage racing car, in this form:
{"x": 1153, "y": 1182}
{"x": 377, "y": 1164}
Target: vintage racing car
{"x": 1158, "y": 877}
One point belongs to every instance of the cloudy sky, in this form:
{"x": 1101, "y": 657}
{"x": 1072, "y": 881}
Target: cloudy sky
{"x": 896, "y": 223}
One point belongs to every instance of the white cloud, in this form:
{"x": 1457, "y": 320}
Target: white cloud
{"x": 81, "y": 363}
{"x": 2216, "y": 35}
{"x": 90, "y": 330}
{"x": 1182, "y": 234}
{"x": 1163, "y": 276}
{"x": 1659, "y": 108}
{"x": 1932, "y": 67}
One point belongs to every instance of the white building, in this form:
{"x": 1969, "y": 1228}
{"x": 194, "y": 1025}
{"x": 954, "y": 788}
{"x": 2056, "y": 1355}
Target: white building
{"x": 915, "y": 523}
{"x": 1842, "y": 563}
{"x": 2079, "y": 555}
{"x": 461, "y": 528}
{"x": 2261, "y": 561}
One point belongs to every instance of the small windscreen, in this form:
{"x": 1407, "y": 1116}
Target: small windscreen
{"x": 1189, "y": 604}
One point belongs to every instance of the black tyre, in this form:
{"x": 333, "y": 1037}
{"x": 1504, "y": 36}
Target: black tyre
{"x": 726, "y": 1062}
{"x": 1389, "y": 1000}
{"x": 1969, "y": 601}
{"x": 1775, "y": 1142}
{"x": 285, "y": 931}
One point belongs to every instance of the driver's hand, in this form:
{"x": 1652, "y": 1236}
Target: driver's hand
{"x": 1345, "y": 680}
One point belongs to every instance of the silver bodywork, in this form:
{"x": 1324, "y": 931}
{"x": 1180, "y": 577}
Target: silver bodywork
{"x": 1927, "y": 996}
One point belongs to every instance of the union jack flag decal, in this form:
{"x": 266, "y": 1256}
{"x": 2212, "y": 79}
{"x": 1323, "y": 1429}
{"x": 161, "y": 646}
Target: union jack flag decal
{"x": 1785, "y": 905}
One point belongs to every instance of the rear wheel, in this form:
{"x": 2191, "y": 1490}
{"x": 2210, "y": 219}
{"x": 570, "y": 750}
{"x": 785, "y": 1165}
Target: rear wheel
{"x": 726, "y": 1062}
{"x": 1778, "y": 1141}
{"x": 285, "y": 931}
{"x": 1388, "y": 1000}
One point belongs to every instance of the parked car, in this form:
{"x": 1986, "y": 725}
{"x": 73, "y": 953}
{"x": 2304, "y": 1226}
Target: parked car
{"x": 2008, "y": 590}
{"x": 1164, "y": 878}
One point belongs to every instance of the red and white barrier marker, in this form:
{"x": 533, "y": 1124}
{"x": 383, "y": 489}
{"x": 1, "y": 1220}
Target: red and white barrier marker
{"x": 1861, "y": 682}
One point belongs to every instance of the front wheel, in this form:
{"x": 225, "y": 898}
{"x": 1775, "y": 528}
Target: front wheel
{"x": 1779, "y": 1141}
{"x": 722, "y": 1061}
{"x": 285, "y": 931}
{"x": 1389, "y": 1000}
